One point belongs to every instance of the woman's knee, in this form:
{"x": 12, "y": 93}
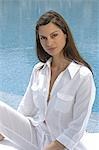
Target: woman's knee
{"x": 4, "y": 113}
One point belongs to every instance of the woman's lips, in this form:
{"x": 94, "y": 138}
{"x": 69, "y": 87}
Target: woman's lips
{"x": 51, "y": 49}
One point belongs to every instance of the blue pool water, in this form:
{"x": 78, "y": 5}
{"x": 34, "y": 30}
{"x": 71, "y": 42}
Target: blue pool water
{"x": 17, "y": 40}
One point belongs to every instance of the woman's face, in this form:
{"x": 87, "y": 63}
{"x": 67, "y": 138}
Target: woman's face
{"x": 52, "y": 39}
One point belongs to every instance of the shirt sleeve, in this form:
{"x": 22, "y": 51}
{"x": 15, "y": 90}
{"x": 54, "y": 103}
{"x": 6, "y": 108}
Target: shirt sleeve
{"x": 81, "y": 112}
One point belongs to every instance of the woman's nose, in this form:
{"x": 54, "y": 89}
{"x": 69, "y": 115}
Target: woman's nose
{"x": 49, "y": 42}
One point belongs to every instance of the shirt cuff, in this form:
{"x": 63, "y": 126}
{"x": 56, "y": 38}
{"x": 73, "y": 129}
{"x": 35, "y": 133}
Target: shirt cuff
{"x": 66, "y": 141}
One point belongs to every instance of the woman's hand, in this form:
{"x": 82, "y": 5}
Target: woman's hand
{"x": 1, "y": 137}
{"x": 55, "y": 145}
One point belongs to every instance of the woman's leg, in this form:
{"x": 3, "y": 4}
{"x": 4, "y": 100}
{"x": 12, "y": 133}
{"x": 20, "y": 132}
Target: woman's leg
{"x": 17, "y": 127}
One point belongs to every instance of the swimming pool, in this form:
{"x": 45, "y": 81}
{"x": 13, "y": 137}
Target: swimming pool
{"x": 17, "y": 40}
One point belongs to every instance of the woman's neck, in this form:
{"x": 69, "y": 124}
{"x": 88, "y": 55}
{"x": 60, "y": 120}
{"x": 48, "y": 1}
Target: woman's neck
{"x": 59, "y": 63}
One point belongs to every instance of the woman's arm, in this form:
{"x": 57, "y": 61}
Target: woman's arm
{"x": 84, "y": 99}
{"x": 26, "y": 106}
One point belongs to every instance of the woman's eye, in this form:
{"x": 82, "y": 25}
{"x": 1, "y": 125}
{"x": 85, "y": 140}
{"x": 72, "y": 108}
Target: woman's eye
{"x": 54, "y": 35}
{"x": 42, "y": 38}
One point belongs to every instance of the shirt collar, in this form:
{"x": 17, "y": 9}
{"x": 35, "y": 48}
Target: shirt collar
{"x": 42, "y": 65}
{"x": 73, "y": 68}
{"x": 48, "y": 63}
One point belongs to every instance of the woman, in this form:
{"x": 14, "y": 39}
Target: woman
{"x": 57, "y": 104}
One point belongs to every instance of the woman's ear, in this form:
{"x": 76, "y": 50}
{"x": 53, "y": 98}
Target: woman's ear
{"x": 65, "y": 36}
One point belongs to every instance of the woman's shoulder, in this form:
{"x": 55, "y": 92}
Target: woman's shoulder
{"x": 38, "y": 66}
{"x": 83, "y": 70}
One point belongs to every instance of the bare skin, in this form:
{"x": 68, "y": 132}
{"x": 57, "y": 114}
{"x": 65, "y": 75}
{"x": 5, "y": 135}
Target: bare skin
{"x": 1, "y": 137}
{"x": 55, "y": 145}
{"x": 55, "y": 71}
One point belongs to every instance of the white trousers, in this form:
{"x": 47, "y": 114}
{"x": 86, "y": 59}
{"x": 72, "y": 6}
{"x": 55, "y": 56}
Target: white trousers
{"x": 20, "y": 130}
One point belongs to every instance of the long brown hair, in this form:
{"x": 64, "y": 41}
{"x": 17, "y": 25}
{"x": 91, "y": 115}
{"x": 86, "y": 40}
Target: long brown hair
{"x": 70, "y": 50}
